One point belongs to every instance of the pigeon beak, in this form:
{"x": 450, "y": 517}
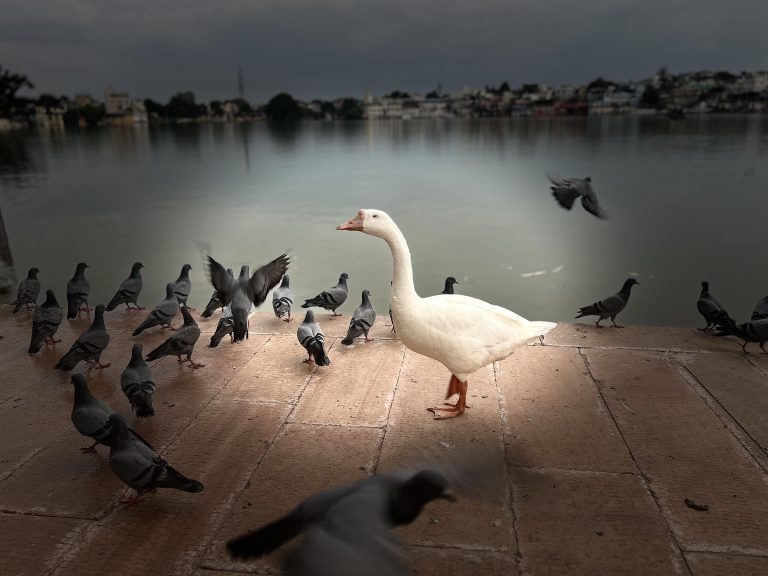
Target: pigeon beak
{"x": 355, "y": 224}
{"x": 448, "y": 495}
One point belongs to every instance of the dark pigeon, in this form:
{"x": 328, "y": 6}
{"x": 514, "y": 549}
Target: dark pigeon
{"x": 332, "y": 298}
{"x": 362, "y": 320}
{"x": 45, "y": 322}
{"x": 311, "y": 337}
{"x": 282, "y": 299}
{"x": 163, "y": 313}
{"x": 611, "y": 306}
{"x": 753, "y": 331}
{"x": 89, "y": 345}
{"x": 240, "y": 306}
{"x": 714, "y": 312}
{"x": 183, "y": 285}
{"x": 138, "y": 384}
{"x": 449, "y": 282}
{"x": 129, "y": 290}
{"x": 29, "y": 290}
{"x": 216, "y": 301}
{"x": 181, "y": 342}
{"x": 225, "y": 327}
{"x": 567, "y": 190}
{"x": 761, "y": 309}
{"x": 78, "y": 289}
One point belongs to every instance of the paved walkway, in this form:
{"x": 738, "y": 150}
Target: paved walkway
{"x": 596, "y": 440}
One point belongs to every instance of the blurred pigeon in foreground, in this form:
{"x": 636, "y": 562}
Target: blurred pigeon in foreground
{"x": 362, "y": 320}
{"x": 348, "y": 529}
{"x": 91, "y": 416}
{"x": 45, "y": 321}
{"x": 332, "y": 298}
{"x": 139, "y": 469}
{"x": 183, "y": 285}
{"x": 311, "y": 337}
{"x": 567, "y": 190}
{"x": 611, "y": 306}
{"x": 711, "y": 309}
{"x": 181, "y": 342}
{"x": 89, "y": 345}
{"x": 29, "y": 290}
{"x": 163, "y": 313}
{"x": 761, "y": 309}
{"x": 449, "y": 282}
{"x": 754, "y": 331}
{"x": 282, "y": 299}
{"x": 225, "y": 327}
{"x": 138, "y": 384}
{"x": 129, "y": 290}
{"x": 78, "y": 289}
{"x": 216, "y": 301}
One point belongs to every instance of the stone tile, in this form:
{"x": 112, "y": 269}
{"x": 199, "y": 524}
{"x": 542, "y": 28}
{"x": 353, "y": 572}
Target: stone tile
{"x": 442, "y": 561}
{"x": 304, "y": 460}
{"x": 685, "y": 452}
{"x": 468, "y": 448}
{"x": 356, "y": 389}
{"x": 704, "y": 564}
{"x": 590, "y": 523}
{"x": 555, "y": 417}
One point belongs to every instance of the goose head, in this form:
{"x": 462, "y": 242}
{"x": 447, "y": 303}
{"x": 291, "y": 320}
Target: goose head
{"x": 369, "y": 221}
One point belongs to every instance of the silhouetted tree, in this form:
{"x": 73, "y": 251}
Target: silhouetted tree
{"x": 351, "y": 109}
{"x": 398, "y": 95}
{"x": 48, "y": 101}
{"x": 183, "y": 105}
{"x": 283, "y": 109}
{"x": 244, "y": 108}
{"x": 10, "y": 84}
{"x": 154, "y": 109}
{"x": 651, "y": 98}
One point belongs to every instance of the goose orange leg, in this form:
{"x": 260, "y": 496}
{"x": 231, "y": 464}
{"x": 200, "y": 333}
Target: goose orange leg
{"x": 455, "y": 386}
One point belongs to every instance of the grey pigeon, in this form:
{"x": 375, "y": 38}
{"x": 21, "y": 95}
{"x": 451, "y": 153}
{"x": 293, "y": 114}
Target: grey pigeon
{"x": 216, "y": 301}
{"x": 89, "y": 345}
{"x": 181, "y": 342}
{"x": 611, "y": 306}
{"x": 45, "y": 322}
{"x": 347, "y": 529}
{"x": 708, "y": 306}
{"x": 282, "y": 299}
{"x": 761, "y": 309}
{"x": 311, "y": 337}
{"x": 567, "y": 190}
{"x": 240, "y": 307}
{"x": 29, "y": 290}
{"x": 138, "y": 384}
{"x": 129, "y": 290}
{"x": 753, "y": 331}
{"x": 91, "y": 416}
{"x": 225, "y": 327}
{"x": 163, "y": 313}
{"x": 139, "y": 469}
{"x": 362, "y": 320}
{"x": 183, "y": 285}
{"x": 78, "y": 289}
{"x": 332, "y": 298}
{"x": 449, "y": 282}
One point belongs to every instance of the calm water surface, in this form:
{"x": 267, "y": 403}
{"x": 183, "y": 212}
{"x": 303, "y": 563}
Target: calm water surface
{"x": 687, "y": 201}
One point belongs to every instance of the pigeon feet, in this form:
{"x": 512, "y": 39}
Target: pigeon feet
{"x": 89, "y": 449}
{"x": 52, "y": 341}
{"x": 131, "y": 500}
{"x": 192, "y": 363}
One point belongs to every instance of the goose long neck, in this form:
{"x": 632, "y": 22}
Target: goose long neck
{"x": 402, "y": 269}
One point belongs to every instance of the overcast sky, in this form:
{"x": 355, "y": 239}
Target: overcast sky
{"x": 331, "y": 48}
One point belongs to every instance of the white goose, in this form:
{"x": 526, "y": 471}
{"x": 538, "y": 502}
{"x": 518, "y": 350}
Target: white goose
{"x": 462, "y": 333}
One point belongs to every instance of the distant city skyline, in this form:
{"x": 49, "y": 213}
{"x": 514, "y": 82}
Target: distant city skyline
{"x": 343, "y": 48}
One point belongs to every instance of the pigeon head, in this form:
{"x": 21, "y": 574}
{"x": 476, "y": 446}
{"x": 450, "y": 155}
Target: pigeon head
{"x": 366, "y": 294}
{"x": 187, "y": 315}
{"x": 78, "y": 380}
{"x": 587, "y": 179}
{"x": 629, "y": 283}
{"x": 245, "y": 271}
{"x": 344, "y": 276}
{"x": 119, "y": 428}
{"x": 170, "y": 291}
{"x": 81, "y": 267}
{"x": 416, "y": 493}
{"x": 136, "y": 352}
{"x": 373, "y": 222}
{"x": 185, "y": 270}
{"x": 705, "y": 285}
{"x": 50, "y": 298}
{"x": 310, "y": 317}
{"x": 32, "y": 273}
{"x": 136, "y": 267}
{"x": 286, "y": 281}
{"x": 450, "y": 281}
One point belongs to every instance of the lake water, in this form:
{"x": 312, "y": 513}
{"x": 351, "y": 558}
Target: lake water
{"x": 687, "y": 201}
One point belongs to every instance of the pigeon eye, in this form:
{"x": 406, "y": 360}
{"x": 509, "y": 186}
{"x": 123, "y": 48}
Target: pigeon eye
{"x": 375, "y": 215}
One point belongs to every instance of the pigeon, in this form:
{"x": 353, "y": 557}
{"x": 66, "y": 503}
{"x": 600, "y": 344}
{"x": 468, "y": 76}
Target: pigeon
{"x": 163, "y": 313}
{"x": 753, "y": 331}
{"x": 216, "y": 301}
{"x": 282, "y": 299}
{"x": 89, "y": 345}
{"x": 311, "y": 337}
{"x": 29, "y": 290}
{"x": 142, "y": 470}
{"x": 45, "y": 321}
{"x": 761, "y": 309}
{"x": 181, "y": 342}
{"x": 240, "y": 307}
{"x": 91, "y": 417}
{"x": 711, "y": 309}
{"x": 225, "y": 327}
{"x": 138, "y": 384}
{"x": 566, "y": 190}
{"x": 332, "y": 298}
{"x": 78, "y": 289}
{"x": 129, "y": 290}
{"x": 183, "y": 286}
{"x": 611, "y": 306}
{"x": 347, "y": 529}
{"x": 362, "y": 320}
{"x": 449, "y": 282}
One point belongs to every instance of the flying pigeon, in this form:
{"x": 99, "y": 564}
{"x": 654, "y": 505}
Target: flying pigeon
{"x": 139, "y": 469}
{"x": 332, "y": 298}
{"x": 181, "y": 342}
{"x": 129, "y": 290}
{"x": 240, "y": 307}
{"x": 282, "y": 299}
{"x": 711, "y": 309}
{"x": 183, "y": 286}
{"x": 163, "y": 313}
{"x": 567, "y": 190}
{"x": 29, "y": 290}
{"x": 449, "y": 282}
{"x": 78, "y": 289}
{"x": 311, "y": 337}
{"x": 45, "y": 321}
{"x": 89, "y": 345}
{"x": 362, "y": 320}
{"x": 225, "y": 327}
{"x": 216, "y": 301}
{"x": 761, "y": 309}
{"x": 91, "y": 416}
{"x": 753, "y": 331}
{"x": 347, "y": 529}
{"x": 611, "y": 306}
{"x": 138, "y": 384}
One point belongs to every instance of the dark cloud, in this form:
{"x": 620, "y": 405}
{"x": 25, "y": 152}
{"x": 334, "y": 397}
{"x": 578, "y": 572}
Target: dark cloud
{"x": 345, "y": 47}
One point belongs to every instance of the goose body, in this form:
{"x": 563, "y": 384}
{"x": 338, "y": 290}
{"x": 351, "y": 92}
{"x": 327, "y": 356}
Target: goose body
{"x": 462, "y": 333}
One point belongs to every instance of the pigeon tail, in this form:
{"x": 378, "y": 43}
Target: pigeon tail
{"x": 141, "y": 402}
{"x": 66, "y": 363}
{"x": 19, "y": 306}
{"x": 224, "y": 328}
{"x": 240, "y": 327}
{"x": 178, "y": 481}
{"x": 355, "y": 330}
{"x": 213, "y": 304}
{"x": 164, "y": 349}
{"x": 36, "y": 344}
{"x": 588, "y": 310}
{"x": 266, "y": 539}
{"x": 317, "y": 350}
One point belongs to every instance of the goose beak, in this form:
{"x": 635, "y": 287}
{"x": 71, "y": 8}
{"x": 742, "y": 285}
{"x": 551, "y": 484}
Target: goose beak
{"x": 355, "y": 224}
